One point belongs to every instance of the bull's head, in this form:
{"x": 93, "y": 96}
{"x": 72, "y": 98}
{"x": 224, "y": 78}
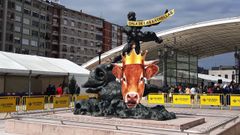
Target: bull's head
{"x": 132, "y": 72}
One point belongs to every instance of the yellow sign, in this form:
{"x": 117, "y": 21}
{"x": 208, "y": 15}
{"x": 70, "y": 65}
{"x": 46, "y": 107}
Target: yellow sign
{"x": 152, "y": 21}
{"x": 82, "y": 97}
{"x": 210, "y": 100}
{"x": 8, "y": 105}
{"x": 182, "y": 99}
{"x": 34, "y": 103}
{"x": 156, "y": 99}
{"x": 235, "y": 100}
{"x": 60, "y": 102}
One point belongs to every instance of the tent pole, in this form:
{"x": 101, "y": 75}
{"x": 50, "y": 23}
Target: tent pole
{"x": 4, "y": 83}
{"x": 29, "y": 83}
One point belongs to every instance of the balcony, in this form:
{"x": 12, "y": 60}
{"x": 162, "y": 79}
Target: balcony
{"x": 55, "y": 42}
{"x": 55, "y": 24}
{"x": 55, "y": 33}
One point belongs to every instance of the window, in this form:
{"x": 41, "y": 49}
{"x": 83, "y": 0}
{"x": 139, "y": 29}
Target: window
{"x": 64, "y": 38}
{"x": 43, "y": 17}
{"x": 72, "y": 40}
{"x": 18, "y": 8}
{"x": 72, "y": 23}
{"x": 64, "y": 30}
{"x": 27, "y": 11}
{"x": 34, "y": 43}
{"x": 17, "y": 18}
{"x": 72, "y": 49}
{"x": 65, "y": 22}
{"x": 73, "y": 31}
{"x": 25, "y": 41}
{"x": 26, "y": 31}
{"x": 219, "y": 75}
{"x": 35, "y": 23}
{"x": 34, "y": 14}
{"x": 64, "y": 49}
{"x": 34, "y": 33}
{"x": 42, "y": 35}
{"x": 226, "y": 76}
{"x": 28, "y": 2}
{"x": 17, "y": 29}
{"x": 17, "y": 40}
{"x": 79, "y": 33}
{"x": 26, "y": 21}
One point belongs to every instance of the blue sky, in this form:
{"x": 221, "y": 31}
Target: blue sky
{"x": 186, "y": 12}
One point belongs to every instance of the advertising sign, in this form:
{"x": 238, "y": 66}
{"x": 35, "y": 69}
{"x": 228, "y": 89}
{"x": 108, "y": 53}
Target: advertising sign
{"x": 60, "y": 102}
{"x": 8, "y": 105}
{"x": 34, "y": 103}
{"x": 82, "y": 97}
{"x": 182, "y": 99}
{"x": 156, "y": 99}
{"x": 235, "y": 100}
{"x": 210, "y": 100}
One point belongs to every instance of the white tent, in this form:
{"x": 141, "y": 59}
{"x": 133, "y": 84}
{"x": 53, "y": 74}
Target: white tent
{"x": 29, "y": 65}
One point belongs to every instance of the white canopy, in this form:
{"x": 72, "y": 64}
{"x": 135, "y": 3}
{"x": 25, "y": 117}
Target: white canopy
{"x": 37, "y": 65}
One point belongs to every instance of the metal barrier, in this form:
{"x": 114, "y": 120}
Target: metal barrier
{"x": 10, "y": 104}
{"x": 233, "y": 100}
{"x": 33, "y": 103}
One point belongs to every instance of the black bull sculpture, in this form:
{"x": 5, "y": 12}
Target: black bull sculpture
{"x": 110, "y": 102}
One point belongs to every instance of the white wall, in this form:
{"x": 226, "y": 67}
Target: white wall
{"x": 223, "y": 73}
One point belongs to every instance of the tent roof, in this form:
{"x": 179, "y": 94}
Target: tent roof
{"x": 22, "y": 64}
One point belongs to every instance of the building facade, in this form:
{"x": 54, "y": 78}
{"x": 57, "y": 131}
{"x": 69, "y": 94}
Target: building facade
{"x": 39, "y": 27}
{"x": 228, "y": 72}
{"x": 26, "y": 27}
{"x": 112, "y": 36}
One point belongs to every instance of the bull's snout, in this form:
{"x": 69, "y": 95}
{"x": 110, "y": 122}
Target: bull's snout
{"x": 132, "y": 99}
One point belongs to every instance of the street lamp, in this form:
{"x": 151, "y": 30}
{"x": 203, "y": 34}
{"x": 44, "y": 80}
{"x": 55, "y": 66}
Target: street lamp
{"x": 99, "y": 45}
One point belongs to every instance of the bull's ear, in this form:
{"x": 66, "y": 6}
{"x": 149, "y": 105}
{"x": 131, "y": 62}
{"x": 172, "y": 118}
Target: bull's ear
{"x": 151, "y": 70}
{"x": 117, "y": 71}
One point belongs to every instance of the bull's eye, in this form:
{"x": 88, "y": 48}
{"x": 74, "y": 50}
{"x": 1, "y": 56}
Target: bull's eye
{"x": 124, "y": 79}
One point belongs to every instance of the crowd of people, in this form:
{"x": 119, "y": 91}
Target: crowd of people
{"x": 61, "y": 89}
{"x": 231, "y": 88}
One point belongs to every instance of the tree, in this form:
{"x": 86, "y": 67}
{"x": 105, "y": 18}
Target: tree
{"x": 72, "y": 85}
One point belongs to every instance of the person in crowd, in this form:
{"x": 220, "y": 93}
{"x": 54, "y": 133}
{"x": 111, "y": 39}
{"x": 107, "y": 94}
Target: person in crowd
{"x": 48, "y": 90}
{"x": 187, "y": 90}
{"x": 77, "y": 89}
{"x": 59, "y": 90}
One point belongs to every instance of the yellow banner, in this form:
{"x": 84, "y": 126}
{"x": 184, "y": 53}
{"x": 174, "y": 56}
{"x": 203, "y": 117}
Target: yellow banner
{"x": 60, "y": 102}
{"x": 235, "y": 100}
{"x": 8, "y": 105}
{"x": 151, "y": 21}
{"x": 82, "y": 97}
{"x": 156, "y": 99}
{"x": 182, "y": 99}
{"x": 35, "y": 103}
{"x": 210, "y": 100}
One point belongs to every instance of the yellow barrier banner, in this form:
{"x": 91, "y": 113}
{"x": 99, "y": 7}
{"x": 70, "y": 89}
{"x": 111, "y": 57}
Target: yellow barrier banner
{"x": 60, "y": 102}
{"x": 35, "y": 103}
{"x": 151, "y": 21}
{"x": 235, "y": 100}
{"x": 82, "y": 97}
{"x": 182, "y": 99}
{"x": 156, "y": 99}
{"x": 210, "y": 100}
{"x": 8, "y": 105}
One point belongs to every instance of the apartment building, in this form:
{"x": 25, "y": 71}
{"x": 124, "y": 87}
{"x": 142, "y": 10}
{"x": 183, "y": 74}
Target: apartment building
{"x": 26, "y": 27}
{"x": 80, "y": 35}
{"x": 40, "y": 27}
{"x": 112, "y": 36}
